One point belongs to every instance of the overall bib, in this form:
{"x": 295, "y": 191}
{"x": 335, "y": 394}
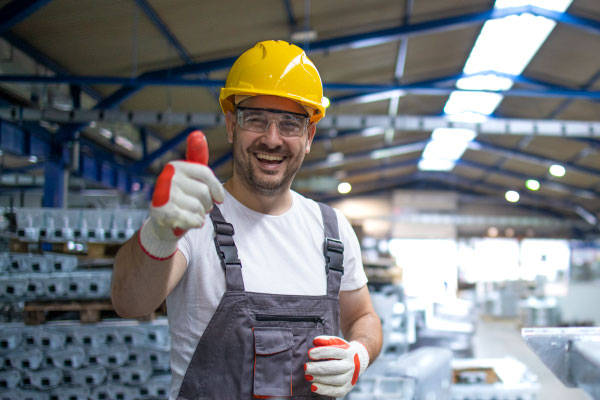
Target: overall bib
{"x": 256, "y": 344}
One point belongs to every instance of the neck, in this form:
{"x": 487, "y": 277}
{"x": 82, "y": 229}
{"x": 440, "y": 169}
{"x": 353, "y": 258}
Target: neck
{"x": 271, "y": 204}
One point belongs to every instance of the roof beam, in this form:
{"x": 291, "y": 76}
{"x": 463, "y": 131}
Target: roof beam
{"x": 449, "y": 179}
{"x": 527, "y": 157}
{"x": 18, "y": 10}
{"x": 164, "y": 30}
{"x": 347, "y": 124}
{"x": 289, "y": 12}
{"x": 546, "y": 183}
{"x": 352, "y": 41}
{"x": 556, "y": 186}
{"x": 562, "y": 106}
{"x": 587, "y": 24}
{"x": 46, "y": 61}
{"x": 163, "y": 149}
{"x": 132, "y": 85}
{"x": 365, "y": 155}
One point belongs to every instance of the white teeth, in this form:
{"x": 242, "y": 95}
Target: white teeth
{"x": 269, "y": 157}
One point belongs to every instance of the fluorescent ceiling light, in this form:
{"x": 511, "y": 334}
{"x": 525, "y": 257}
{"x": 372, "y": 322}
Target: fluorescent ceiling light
{"x": 372, "y": 131}
{"x": 378, "y": 96}
{"x": 105, "y": 132}
{"x": 303, "y": 36}
{"x": 512, "y": 196}
{"x": 335, "y": 157}
{"x": 557, "y": 170}
{"x": 396, "y": 150}
{"x": 344, "y": 187}
{"x": 532, "y": 184}
{"x": 124, "y": 142}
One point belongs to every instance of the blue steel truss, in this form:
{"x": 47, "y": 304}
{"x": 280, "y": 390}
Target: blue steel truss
{"x": 19, "y": 9}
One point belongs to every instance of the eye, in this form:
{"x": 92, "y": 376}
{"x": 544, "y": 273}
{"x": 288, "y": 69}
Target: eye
{"x": 254, "y": 119}
{"x": 290, "y": 125}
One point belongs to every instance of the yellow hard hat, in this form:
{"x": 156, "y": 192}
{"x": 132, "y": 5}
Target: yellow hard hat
{"x": 276, "y": 68}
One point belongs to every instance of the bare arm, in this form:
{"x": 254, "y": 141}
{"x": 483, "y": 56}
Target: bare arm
{"x": 359, "y": 320}
{"x": 139, "y": 283}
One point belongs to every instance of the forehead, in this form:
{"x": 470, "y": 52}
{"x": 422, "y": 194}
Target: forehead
{"x": 275, "y": 102}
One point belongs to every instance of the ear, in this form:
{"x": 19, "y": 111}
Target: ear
{"x": 311, "y": 130}
{"x": 230, "y": 125}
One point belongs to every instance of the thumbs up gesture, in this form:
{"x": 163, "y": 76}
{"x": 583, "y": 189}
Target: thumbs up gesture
{"x": 184, "y": 193}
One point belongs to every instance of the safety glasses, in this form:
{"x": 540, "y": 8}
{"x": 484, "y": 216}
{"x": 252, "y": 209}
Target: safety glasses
{"x": 290, "y": 124}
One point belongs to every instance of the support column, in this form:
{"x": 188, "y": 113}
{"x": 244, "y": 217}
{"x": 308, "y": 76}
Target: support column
{"x": 55, "y": 185}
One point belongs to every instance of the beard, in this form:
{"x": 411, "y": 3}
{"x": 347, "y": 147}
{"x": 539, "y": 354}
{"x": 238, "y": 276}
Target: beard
{"x": 261, "y": 181}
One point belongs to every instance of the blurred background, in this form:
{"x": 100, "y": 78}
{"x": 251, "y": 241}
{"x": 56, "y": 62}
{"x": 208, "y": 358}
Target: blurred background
{"x": 461, "y": 140}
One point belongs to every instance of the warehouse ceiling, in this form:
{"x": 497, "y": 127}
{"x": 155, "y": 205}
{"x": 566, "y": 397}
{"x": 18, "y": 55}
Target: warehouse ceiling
{"x": 149, "y": 71}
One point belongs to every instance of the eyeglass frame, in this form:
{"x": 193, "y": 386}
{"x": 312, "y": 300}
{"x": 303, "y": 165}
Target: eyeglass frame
{"x": 239, "y": 111}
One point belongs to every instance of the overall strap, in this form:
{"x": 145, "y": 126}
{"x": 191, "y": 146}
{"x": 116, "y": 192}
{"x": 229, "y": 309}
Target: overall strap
{"x": 333, "y": 249}
{"x": 227, "y": 251}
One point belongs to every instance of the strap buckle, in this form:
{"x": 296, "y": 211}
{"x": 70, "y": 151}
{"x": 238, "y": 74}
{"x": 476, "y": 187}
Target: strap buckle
{"x": 227, "y": 254}
{"x": 334, "y": 255}
{"x": 223, "y": 228}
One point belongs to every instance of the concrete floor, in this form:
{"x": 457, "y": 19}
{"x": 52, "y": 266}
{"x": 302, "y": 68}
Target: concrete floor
{"x": 502, "y": 338}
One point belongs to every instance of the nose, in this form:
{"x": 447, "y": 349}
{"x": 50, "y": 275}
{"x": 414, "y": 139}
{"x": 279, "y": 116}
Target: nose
{"x": 271, "y": 135}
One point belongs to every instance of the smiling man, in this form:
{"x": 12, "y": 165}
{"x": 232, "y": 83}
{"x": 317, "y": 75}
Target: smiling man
{"x": 269, "y": 300}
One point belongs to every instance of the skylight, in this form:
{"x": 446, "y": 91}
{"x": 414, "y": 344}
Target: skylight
{"x": 445, "y": 147}
{"x": 505, "y": 46}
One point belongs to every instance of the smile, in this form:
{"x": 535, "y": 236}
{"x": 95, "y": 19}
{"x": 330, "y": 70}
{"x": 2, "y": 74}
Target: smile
{"x": 269, "y": 157}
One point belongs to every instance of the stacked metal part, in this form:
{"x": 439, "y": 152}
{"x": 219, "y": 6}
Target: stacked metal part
{"x": 49, "y": 276}
{"x": 495, "y": 378}
{"x": 109, "y": 360}
{"x": 421, "y": 374}
{"x": 86, "y": 225}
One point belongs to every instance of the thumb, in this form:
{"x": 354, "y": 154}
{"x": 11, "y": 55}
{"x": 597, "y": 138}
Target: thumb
{"x": 197, "y": 148}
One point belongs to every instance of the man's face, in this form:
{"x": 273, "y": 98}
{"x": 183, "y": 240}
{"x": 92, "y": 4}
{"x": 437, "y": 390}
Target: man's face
{"x": 267, "y": 162}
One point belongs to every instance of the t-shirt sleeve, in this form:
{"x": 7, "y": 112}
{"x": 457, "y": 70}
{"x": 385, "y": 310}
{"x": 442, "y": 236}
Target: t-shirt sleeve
{"x": 184, "y": 245}
{"x": 354, "y": 274}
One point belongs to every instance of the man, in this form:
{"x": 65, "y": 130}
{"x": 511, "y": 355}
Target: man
{"x": 241, "y": 327}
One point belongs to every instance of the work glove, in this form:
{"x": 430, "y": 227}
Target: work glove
{"x": 183, "y": 194}
{"x": 335, "y": 365}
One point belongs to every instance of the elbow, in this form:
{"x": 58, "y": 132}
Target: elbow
{"x": 125, "y": 306}
{"x": 121, "y": 307}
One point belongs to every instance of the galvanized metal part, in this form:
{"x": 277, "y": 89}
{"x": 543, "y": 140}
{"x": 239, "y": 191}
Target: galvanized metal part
{"x": 572, "y": 354}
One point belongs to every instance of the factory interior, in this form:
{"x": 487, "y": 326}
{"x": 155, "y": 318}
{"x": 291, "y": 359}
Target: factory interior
{"x": 461, "y": 140}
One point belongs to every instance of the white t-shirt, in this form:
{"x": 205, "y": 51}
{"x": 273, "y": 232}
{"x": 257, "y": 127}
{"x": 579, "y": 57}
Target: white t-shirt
{"x": 280, "y": 254}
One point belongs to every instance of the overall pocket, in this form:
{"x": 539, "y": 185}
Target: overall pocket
{"x": 273, "y": 361}
{"x": 303, "y": 328}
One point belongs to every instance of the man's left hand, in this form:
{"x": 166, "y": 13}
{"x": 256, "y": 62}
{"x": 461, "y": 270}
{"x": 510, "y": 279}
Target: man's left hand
{"x": 335, "y": 365}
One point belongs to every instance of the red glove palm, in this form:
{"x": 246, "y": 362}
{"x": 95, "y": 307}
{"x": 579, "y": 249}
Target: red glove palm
{"x": 183, "y": 194}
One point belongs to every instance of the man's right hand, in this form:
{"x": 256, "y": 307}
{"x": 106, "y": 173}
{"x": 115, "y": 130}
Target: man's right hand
{"x": 184, "y": 193}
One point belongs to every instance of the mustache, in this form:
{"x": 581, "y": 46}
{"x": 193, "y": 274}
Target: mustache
{"x": 262, "y": 148}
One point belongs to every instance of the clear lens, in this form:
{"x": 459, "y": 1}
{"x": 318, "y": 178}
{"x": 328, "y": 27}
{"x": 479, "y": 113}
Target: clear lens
{"x": 258, "y": 120}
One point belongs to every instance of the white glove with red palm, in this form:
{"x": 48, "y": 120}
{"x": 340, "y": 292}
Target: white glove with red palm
{"x": 335, "y": 366}
{"x": 183, "y": 194}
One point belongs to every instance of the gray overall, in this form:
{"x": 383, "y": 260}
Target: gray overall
{"x": 256, "y": 344}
